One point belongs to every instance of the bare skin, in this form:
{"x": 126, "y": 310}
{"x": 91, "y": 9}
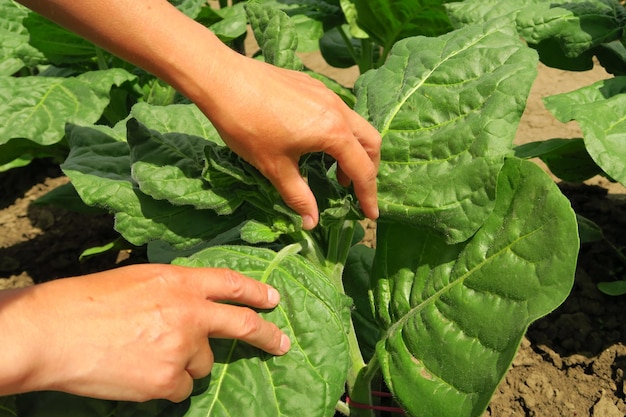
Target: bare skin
{"x": 268, "y": 115}
{"x": 134, "y": 333}
{"x": 141, "y": 332}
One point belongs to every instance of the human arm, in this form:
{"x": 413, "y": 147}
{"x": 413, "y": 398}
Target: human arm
{"x": 268, "y": 115}
{"x": 133, "y": 333}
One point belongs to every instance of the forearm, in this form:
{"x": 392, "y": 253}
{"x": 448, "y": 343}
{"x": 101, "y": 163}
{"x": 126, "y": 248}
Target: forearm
{"x": 151, "y": 34}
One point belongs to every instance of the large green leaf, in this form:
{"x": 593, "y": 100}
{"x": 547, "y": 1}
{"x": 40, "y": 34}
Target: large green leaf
{"x": 15, "y": 51}
{"x": 600, "y": 110}
{"x": 99, "y": 167}
{"x": 37, "y": 108}
{"x": 307, "y": 381}
{"x": 447, "y": 109}
{"x": 389, "y": 21}
{"x": 455, "y": 314}
{"x": 169, "y": 166}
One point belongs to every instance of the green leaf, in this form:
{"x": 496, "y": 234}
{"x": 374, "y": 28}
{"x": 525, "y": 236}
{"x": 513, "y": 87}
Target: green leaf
{"x": 99, "y": 167}
{"x": 15, "y": 51}
{"x": 59, "y": 45}
{"x": 169, "y": 167}
{"x": 65, "y": 196}
{"x": 178, "y": 118}
{"x": 600, "y": 110}
{"x": 455, "y": 314}
{"x": 309, "y": 379}
{"x": 386, "y": 22}
{"x": 614, "y": 288}
{"x": 568, "y": 159}
{"x": 276, "y": 35}
{"x": 469, "y": 12}
{"x": 233, "y": 23}
{"x": 37, "y": 108}
{"x": 577, "y": 26}
{"x": 447, "y": 109}
{"x": 588, "y": 231}
{"x": 191, "y": 8}
{"x": 357, "y": 283}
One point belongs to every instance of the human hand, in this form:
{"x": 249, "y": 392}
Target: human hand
{"x": 141, "y": 332}
{"x": 271, "y": 117}
{"x": 268, "y": 115}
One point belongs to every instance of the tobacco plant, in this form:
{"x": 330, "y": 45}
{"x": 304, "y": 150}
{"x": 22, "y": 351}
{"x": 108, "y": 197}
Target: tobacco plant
{"x": 473, "y": 243}
{"x": 573, "y": 35}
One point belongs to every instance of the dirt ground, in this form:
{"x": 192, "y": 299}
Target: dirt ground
{"x": 571, "y": 363}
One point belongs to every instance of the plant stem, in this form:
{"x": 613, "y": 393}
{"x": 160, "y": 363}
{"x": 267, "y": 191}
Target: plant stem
{"x": 364, "y": 59}
{"x": 360, "y": 388}
{"x": 102, "y": 62}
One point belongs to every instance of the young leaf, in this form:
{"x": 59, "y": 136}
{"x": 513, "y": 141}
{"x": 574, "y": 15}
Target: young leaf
{"x": 307, "y": 381}
{"x": 455, "y": 314}
{"x": 276, "y": 35}
{"x": 447, "y": 109}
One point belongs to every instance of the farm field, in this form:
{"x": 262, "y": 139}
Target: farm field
{"x": 571, "y": 362}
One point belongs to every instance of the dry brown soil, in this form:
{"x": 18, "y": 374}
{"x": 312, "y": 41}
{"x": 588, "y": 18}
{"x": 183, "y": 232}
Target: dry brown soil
{"x": 570, "y": 364}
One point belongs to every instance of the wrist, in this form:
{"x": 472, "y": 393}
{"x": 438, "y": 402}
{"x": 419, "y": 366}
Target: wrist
{"x": 22, "y": 347}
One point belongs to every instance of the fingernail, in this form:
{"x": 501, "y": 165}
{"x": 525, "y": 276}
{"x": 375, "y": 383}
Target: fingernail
{"x": 307, "y": 222}
{"x": 285, "y": 343}
{"x": 273, "y": 296}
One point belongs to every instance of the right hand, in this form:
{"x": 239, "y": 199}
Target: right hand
{"x": 140, "y": 332}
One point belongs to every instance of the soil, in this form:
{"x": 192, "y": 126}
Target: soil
{"x": 571, "y": 363}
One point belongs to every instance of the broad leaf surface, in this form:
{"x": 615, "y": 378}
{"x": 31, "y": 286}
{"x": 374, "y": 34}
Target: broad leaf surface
{"x": 178, "y": 118}
{"x": 577, "y": 26}
{"x": 600, "y": 110}
{"x": 447, "y": 109}
{"x": 99, "y": 167}
{"x": 309, "y": 379}
{"x": 389, "y": 21}
{"x": 469, "y": 12}
{"x": 169, "y": 166}
{"x": 455, "y": 314}
{"x": 15, "y": 51}
{"x": 59, "y": 45}
{"x": 37, "y": 108}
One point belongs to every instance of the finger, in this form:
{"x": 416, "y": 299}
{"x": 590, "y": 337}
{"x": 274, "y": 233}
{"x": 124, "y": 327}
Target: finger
{"x": 357, "y": 165}
{"x": 295, "y": 192}
{"x": 222, "y": 284}
{"x": 201, "y": 363}
{"x": 367, "y": 136}
{"x": 233, "y": 322}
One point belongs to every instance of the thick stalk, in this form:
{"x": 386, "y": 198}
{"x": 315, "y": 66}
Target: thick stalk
{"x": 361, "y": 389}
{"x": 339, "y": 243}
